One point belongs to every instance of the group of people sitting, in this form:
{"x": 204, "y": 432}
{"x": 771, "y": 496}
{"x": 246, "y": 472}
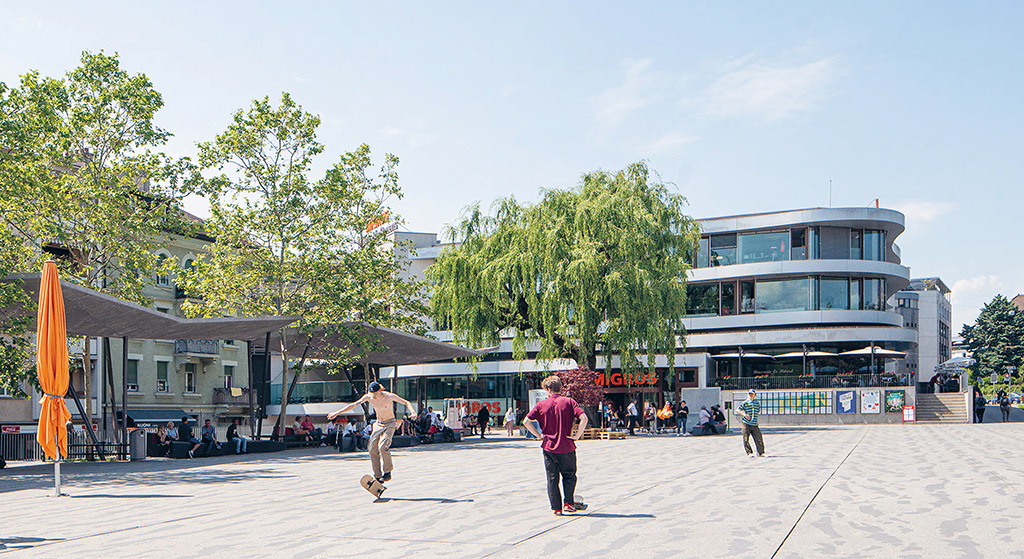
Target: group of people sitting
{"x": 711, "y": 420}
{"x": 311, "y": 434}
{"x": 167, "y": 434}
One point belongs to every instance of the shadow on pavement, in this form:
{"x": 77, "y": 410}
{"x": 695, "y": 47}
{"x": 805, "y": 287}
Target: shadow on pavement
{"x": 435, "y": 499}
{"x": 24, "y": 543}
{"x": 610, "y": 515}
{"x": 108, "y": 496}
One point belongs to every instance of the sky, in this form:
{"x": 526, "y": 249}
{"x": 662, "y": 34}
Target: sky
{"x": 742, "y": 107}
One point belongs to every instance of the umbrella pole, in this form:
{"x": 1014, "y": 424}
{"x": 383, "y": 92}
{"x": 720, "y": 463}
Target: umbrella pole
{"x": 56, "y": 468}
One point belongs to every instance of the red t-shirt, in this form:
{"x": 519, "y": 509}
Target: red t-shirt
{"x": 556, "y": 415}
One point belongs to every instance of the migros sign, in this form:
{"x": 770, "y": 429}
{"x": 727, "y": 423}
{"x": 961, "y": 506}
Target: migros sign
{"x": 630, "y": 379}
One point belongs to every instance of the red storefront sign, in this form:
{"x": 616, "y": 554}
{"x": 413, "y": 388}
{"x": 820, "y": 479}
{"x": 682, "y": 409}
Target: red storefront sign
{"x": 632, "y": 379}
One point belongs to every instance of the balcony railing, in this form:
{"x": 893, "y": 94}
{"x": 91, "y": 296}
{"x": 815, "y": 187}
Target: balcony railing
{"x": 772, "y": 382}
{"x": 223, "y": 396}
{"x": 196, "y": 347}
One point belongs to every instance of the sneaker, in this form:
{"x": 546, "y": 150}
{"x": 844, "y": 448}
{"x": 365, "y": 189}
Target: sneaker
{"x": 765, "y": 455}
{"x": 385, "y": 477}
{"x": 190, "y": 454}
{"x": 568, "y": 508}
{"x": 751, "y": 455}
{"x": 558, "y": 513}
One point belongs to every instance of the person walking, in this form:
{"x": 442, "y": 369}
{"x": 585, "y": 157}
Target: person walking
{"x": 483, "y": 418}
{"x": 555, "y": 416}
{"x": 750, "y": 409}
{"x": 383, "y": 429}
{"x": 510, "y": 420}
{"x": 1004, "y": 406}
{"x": 979, "y": 407}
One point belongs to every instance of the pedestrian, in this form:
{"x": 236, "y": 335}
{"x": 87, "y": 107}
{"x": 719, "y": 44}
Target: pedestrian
{"x": 510, "y": 420}
{"x": 750, "y": 409}
{"x": 979, "y": 407}
{"x": 555, "y": 416}
{"x": 483, "y": 418}
{"x": 1004, "y": 406}
{"x": 681, "y": 414}
{"x": 383, "y": 430}
{"x": 633, "y": 418}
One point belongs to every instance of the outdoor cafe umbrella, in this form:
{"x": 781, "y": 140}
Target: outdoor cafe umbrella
{"x": 874, "y": 350}
{"x": 52, "y": 365}
{"x": 805, "y": 354}
{"x": 739, "y": 355}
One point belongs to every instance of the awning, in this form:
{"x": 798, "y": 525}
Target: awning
{"x": 91, "y": 313}
{"x": 394, "y": 346}
{"x": 878, "y": 352}
{"x": 154, "y": 418}
{"x": 811, "y": 354}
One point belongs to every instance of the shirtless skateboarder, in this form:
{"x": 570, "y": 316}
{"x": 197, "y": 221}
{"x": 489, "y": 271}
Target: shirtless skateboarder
{"x": 383, "y": 430}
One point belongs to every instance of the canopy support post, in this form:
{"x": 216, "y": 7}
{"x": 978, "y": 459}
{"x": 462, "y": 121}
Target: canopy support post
{"x": 252, "y": 416}
{"x": 279, "y": 426}
{"x": 88, "y": 424}
{"x": 124, "y": 394}
{"x": 266, "y": 376}
{"x": 108, "y": 366}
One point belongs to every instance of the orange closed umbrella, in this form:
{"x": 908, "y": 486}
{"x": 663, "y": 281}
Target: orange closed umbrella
{"x": 52, "y": 362}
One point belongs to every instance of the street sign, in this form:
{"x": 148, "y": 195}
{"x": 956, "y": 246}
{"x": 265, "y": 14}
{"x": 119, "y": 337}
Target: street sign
{"x": 995, "y": 378}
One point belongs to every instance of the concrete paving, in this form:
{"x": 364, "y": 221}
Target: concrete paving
{"x": 924, "y": 491}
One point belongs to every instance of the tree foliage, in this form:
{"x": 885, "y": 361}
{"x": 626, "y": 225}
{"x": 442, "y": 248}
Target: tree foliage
{"x": 599, "y": 269}
{"x": 289, "y": 245}
{"x": 81, "y": 183}
{"x": 996, "y": 338}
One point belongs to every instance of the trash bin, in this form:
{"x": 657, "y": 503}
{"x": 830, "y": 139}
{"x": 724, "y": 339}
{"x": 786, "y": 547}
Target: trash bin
{"x": 137, "y": 444}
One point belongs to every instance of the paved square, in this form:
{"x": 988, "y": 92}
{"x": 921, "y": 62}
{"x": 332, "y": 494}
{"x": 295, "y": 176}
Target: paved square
{"x": 862, "y": 491}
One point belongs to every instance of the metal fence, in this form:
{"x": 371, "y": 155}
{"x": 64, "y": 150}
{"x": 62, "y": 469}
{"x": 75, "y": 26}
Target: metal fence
{"x": 23, "y": 447}
{"x": 819, "y": 381}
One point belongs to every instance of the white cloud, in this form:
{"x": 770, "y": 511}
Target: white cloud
{"x": 769, "y": 93}
{"x": 412, "y": 139}
{"x": 668, "y": 143}
{"x": 969, "y": 295}
{"x": 617, "y": 103}
{"x": 920, "y": 212}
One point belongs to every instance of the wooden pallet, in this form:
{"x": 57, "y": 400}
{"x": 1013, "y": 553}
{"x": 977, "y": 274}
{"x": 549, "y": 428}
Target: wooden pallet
{"x": 612, "y": 435}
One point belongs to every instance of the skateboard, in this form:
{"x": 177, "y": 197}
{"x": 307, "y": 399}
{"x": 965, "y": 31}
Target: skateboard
{"x": 370, "y": 484}
{"x": 579, "y": 504}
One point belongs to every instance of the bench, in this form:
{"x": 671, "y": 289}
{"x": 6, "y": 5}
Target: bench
{"x": 180, "y": 449}
{"x": 698, "y": 430}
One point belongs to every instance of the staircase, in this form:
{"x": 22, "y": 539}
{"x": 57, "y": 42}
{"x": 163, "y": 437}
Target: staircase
{"x": 942, "y": 408}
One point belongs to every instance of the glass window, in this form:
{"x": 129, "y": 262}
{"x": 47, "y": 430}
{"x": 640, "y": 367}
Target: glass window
{"x": 834, "y": 293}
{"x": 133, "y": 375}
{"x": 873, "y": 295}
{"x": 855, "y": 245}
{"x": 812, "y": 243}
{"x": 763, "y": 247}
{"x": 190, "y": 378}
{"x": 783, "y": 295}
{"x": 747, "y": 296}
{"x": 702, "y": 299}
{"x": 439, "y": 388}
{"x": 723, "y": 250}
{"x": 728, "y": 299}
{"x": 702, "y": 253}
{"x": 161, "y": 376}
{"x": 798, "y": 240}
{"x": 873, "y": 245}
{"x": 229, "y": 374}
{"x": 855, "y": 294}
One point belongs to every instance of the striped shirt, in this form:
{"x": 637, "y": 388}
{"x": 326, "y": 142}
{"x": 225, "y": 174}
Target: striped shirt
{"x": 751, "y": 408}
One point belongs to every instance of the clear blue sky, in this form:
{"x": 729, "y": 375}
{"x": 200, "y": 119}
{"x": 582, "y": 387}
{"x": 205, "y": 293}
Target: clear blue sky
{"x": 744, "y": 106}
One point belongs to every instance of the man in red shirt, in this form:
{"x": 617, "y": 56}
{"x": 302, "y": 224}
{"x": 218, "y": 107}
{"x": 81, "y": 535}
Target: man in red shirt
{"x": 556, "y": 414}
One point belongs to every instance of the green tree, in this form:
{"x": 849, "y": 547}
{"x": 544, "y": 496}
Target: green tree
{"x": 996, "y": 338}
{"x": 289, "y": 245}
{"x": 596, "y": 270}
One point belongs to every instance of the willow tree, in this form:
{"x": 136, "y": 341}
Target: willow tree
{"x": 288, "y": 244}
{"x": 597, "y": 270}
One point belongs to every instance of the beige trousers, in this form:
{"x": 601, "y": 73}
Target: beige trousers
{"x": 380, "y": 446}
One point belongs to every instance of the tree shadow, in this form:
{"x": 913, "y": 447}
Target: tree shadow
{"x": 24, "y": 543}
{"x": 109, "y": 496}
{"x": 428, "y": 499}
{"x": 610, "y": 515}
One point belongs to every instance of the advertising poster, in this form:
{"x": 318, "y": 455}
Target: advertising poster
{"x": 846, "y": 401}
{"x": 870, "y": 401}
{"x": 894, "y": 400}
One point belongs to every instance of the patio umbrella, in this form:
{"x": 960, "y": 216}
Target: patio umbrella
{"x": 52, "y": 365}
{"x": 805, "y": 354}
{"x": 874, "y": 351}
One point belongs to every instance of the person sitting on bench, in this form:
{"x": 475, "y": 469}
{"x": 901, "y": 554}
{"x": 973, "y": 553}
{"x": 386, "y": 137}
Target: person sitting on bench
{"x": 706, "y": 422}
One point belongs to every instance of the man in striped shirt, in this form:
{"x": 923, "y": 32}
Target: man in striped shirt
{"x": 749, "y": 409}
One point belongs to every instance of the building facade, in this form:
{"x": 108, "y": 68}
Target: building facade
{"x": 925, "y": 307}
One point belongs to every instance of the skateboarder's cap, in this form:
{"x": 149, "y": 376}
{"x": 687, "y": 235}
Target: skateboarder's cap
{"x": 374, "y": 386}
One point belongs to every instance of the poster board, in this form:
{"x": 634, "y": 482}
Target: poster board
{"x": 870, "y": 401}
{"x": 894, "y": 401}
{"x": 846, "y": 401}
{"x": 909, "y": 415}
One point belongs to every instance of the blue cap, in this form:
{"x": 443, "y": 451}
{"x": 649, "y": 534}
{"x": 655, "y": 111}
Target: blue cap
{"x": 374, "y": 387}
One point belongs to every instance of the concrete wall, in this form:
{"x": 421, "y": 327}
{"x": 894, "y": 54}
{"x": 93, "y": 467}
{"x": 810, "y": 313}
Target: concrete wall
{"x": 826, "y": 419}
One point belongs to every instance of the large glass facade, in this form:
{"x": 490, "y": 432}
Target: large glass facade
{"x": 763, "y": 247}
{"x": 874, "y": 245}
{"x": 702, "y": 299}
{"x": 785, "y": 295}
{"x": 723, "y": 250}
{"x": 702, "y": 253}
{"x": 798, "y": 242}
